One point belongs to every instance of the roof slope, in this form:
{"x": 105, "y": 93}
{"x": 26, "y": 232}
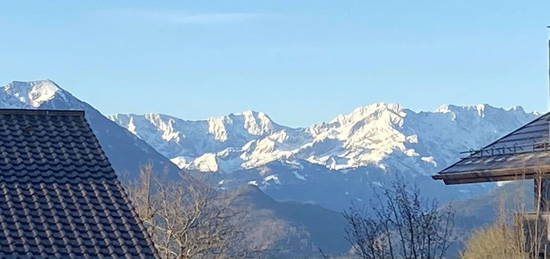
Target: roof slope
{"x": 59, "y": 196}
{"x": 518, "y": 155}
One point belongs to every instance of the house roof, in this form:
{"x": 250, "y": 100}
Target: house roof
{"x": 59, "y": 196}
{"x": 521, "y": 154}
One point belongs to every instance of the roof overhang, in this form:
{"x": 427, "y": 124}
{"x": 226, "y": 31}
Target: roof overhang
{"x": 493, "y": 175}
{"x": 522, "y": 154}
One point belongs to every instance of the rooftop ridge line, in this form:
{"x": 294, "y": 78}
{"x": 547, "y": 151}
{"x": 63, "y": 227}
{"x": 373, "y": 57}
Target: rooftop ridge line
{"x": 51, "y": 112}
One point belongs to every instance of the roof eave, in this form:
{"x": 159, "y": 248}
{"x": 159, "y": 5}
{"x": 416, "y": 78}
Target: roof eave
{"x": 494, "y": 175}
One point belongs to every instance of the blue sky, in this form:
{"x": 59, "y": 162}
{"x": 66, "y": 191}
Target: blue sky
{"x": 299, "y": 61}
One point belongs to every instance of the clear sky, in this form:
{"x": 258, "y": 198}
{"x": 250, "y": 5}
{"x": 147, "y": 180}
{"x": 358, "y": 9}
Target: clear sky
{"x": 298, "y": 61}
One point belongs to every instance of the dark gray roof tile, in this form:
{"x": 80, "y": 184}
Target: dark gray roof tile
{"x": 59, "y": 196}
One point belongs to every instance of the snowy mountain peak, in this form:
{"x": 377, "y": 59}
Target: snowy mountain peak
{"x": 478, "y": 111}
{"x": 381, "y": 106}
{"x": 258, "y": 123}
{"x": 480, "y": 108}
{"x": 175, "y": 137}
{"x": 254, "y": 116}
{"x": 250, "y": 113}
{"x": 387, "y": 114}
{"x": 32, "y": 93}
{"x": 243, "y": 124}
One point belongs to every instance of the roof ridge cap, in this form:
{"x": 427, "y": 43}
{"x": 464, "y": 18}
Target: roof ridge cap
{"x": 41, "y": 112}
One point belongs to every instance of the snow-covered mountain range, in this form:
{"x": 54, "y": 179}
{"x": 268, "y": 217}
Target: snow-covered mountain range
{"x": 349, "y": 151}
{"x": 384, "y": 135}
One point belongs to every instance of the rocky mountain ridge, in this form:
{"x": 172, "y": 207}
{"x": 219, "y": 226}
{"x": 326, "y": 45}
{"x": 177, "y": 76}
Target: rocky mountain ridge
{"x": 345, "y": 155}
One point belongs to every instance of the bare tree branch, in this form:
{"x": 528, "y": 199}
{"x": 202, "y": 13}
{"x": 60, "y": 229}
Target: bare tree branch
{"x": 187, "y": 221}
{"x": 399, "y": 215}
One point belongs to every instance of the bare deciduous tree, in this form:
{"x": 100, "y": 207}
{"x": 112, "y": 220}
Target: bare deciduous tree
{"x": 186, "y": 221}
{"x": 399, "y": 224}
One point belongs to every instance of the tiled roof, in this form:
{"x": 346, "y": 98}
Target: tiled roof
{"x": 518, "y": 155}
{"x": 59, "y": 196}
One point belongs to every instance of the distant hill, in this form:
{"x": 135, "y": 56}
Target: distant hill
{"x": 482, "y": 210}
{"x": 290, "y": 229}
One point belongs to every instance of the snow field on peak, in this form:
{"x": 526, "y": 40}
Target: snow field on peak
{"x": 30, "y": 94}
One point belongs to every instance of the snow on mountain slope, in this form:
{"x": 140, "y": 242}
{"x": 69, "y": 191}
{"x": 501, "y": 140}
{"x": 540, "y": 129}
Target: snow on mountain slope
{"x": 386, "y": 136}
{"x": 190, "y": 140}
{"x": 29, "y": 94}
